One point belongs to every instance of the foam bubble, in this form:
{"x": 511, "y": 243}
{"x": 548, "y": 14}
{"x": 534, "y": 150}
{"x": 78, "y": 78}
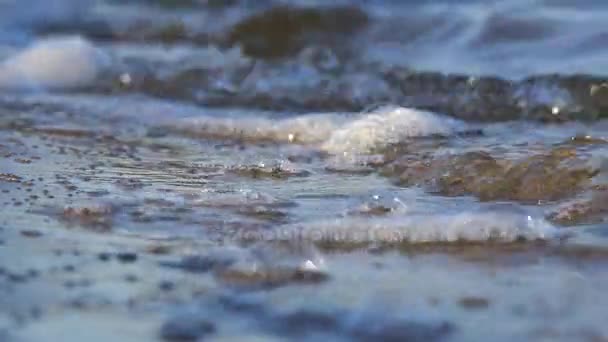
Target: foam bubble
{"x": 54, "y": 63}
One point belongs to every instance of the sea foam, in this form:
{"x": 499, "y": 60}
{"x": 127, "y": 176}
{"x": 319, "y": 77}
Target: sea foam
{"x": 425, "y": 228}
{"x": 388, "y": 125}
{"x": 53, "y": 63}
{"x": 334, "y": 133}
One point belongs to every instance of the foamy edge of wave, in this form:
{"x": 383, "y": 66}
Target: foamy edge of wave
{"x": 334, "y": 133}
{"x": 446, "y": 228}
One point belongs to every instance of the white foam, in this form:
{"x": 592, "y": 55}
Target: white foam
{"x": 388, "y": 125}
{"x": 54, "y": 63}
{"x": 426, "y": 228}
{"x": 308, "y": 129}
{"x": 333, "y": 132}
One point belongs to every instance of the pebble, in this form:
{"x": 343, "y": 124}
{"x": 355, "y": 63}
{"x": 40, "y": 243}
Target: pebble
{"x": 199, "y": 264}
{"x": 69, "y": 268}
{"x": 131, "y": 278}
{"x": 104, "y": 256}
{"x": 474, "y": 303}
{"x": 126, "y": 257}
{"x": 166, "y": 285}
{"x": 186, "y": 328}
{"x": 31, "y": 233}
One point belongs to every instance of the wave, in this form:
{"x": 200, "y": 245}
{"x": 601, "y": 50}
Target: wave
{"x": 468, "y": 226}
{"x": 333, "y": 133}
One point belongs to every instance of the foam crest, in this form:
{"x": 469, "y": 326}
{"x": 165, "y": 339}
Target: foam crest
{"x": 309, "y": 129}
{"x": 425, "y": 228}
{"x": 386, "y": 126}
{"x": 334, "y": 133}
{"x": 54, "y": 63}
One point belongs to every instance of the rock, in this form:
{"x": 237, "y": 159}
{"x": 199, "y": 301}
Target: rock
{"x": 200, "y": 264}
{"x": 275, "y": 172}
{"x": 285, "y": 30}
{"x": 263, "y": 213}
{"x": 104, "y": 256}
{"x": 31, "y": 233}
{"x": 9, "y": 177}
{"x": 304, "y": 322}
{"x": 552, "y": 176}
{"x": 131, "y": 278}
{"x": 401, "y": 330}
{"x": 166, "y": 285}
{"x": 270, "y": 277}
{"x": 126, "y": 257}
{"x": 186, "y": 328}
{"x": 474, "y": 303}
{"x": 582, "y": 211}
{"x": 97, "y": 217}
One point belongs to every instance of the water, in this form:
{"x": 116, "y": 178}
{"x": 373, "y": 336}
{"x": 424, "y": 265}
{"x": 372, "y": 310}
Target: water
{"x": 369, "y": 170}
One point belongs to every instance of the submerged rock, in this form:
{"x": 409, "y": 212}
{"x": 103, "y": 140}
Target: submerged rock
{"x": 359, "y": 326}
{"x": 271, "y": 277}
{"x": 97, "y": 217}
{"x": 553, "y": 176}
{"x": 186, "y": 328}
{"x": 593, "y": 209}
{"x": 278, "y": 171}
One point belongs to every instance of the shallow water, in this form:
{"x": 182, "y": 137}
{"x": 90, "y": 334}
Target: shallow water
{"x": 373, "y": 170}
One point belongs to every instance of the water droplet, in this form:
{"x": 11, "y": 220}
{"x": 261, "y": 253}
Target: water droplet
{"x": 125, "y": 79}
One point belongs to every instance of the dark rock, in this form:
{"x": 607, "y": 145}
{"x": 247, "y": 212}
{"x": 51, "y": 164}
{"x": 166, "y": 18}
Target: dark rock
{"x": 308, "y": 322}
{"x": 186, "y": 328}
{"x": 275, "y": 172}
{"x": 69, "y": 268}
{"x": 268, "y": 278}
{"x": 158, "y": 249}
{"x": 9, "y": 177}
{"x": 131, "y": 278}
{"x": 285, "y": 30}
{"x": 126, "y": 257}
{"x": 166, "y": 285}
{"x": 104, "y": 256}
{"x": 399, "y": 331}
{"x": 555, "y": 175}
{"x": 17, "y": 278}
{"x": 199, "y": 264}
{"x": 582, "y": 211}
{"x": 96, "y": 217}
{"x": 474, "y": 303}
{"x": 263, "y": 213}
